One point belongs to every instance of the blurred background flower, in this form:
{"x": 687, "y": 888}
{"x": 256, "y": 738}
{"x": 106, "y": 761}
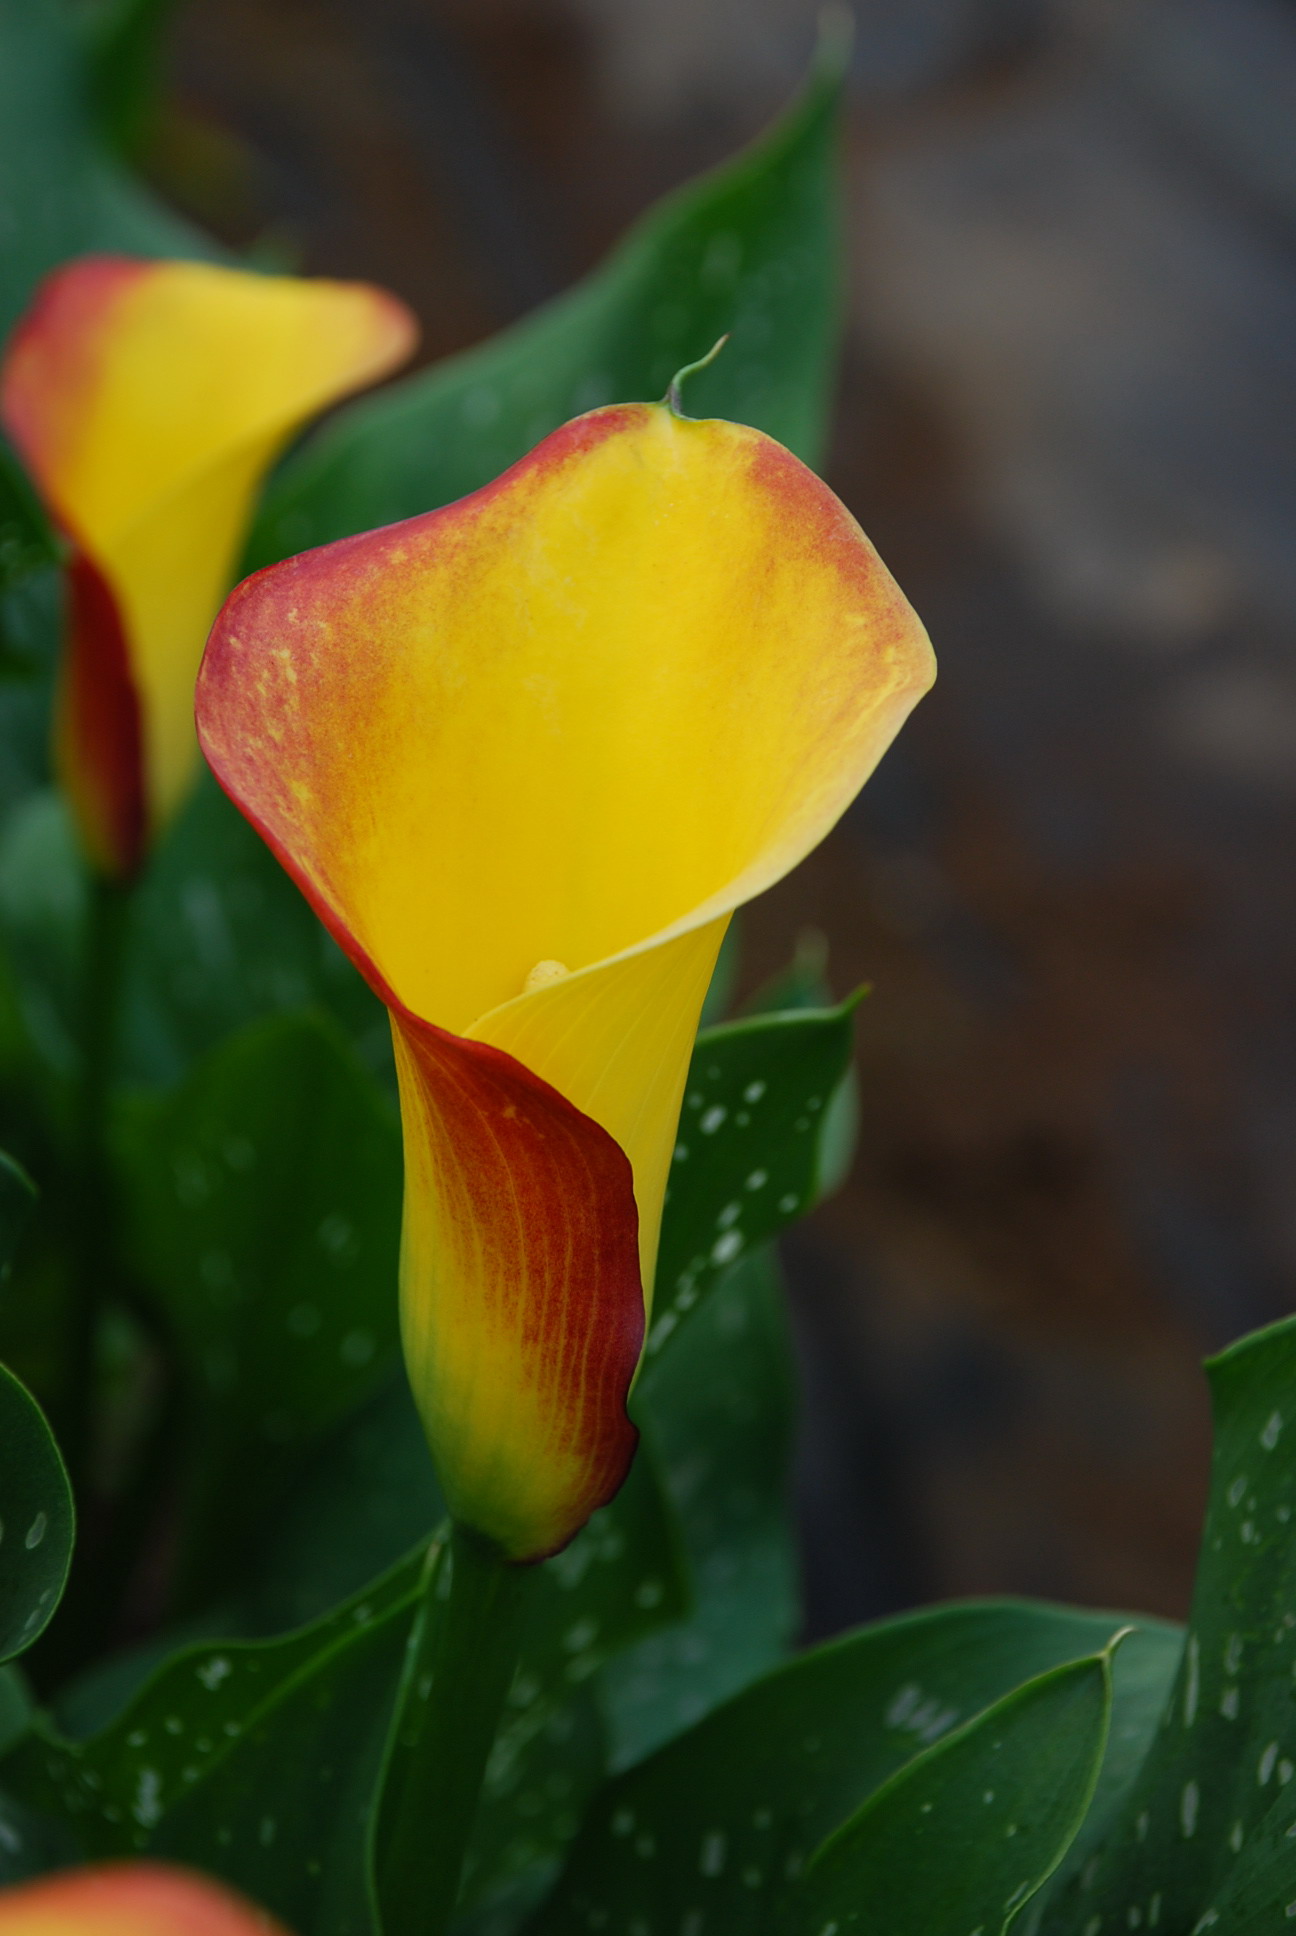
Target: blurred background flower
{"x": 1066, "y": 423}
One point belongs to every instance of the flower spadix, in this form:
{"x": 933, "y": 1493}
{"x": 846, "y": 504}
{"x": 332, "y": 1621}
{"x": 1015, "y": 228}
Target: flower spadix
{"x": 128, "y": 1899}
{"x": 148, "y": 399}
{"x": 525, "y": 755}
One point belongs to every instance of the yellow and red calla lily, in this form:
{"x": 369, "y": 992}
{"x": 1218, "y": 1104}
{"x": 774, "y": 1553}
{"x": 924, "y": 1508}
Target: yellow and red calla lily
{"x": 524, "y": 756}
{"x": 129, "y": 1899}
{"x": 148, "y": 399}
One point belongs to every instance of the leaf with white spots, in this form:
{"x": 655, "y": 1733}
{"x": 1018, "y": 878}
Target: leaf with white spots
{"x": 749, "y": 1157}
{"x": 752, "y": 248}
{"x": 965, "y": 1835}
{"x": 118, "y": 1787}
{"x": 718, "y": 1415}
{"x": 711, "y": 1833}
{"x": 370, "y": 1493}
{"x": 263, "y": 1217}
{"x": 36, "y": 1519}
{"x": 1203, "y": 1838}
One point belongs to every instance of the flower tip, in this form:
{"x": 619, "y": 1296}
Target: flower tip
{"x": 673, "y": 397}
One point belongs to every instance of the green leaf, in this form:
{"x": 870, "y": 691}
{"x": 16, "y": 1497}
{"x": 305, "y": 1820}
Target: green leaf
{"x": 26, "y": 542}
{"x": 221, "y": 937}
{"x": 262, "y": 1210}
{"x": 752, "y": 248}
{"x": 123, "y": 41}
{"x": 717, "y": 1416}
{"x": 622, "y": 1579}
{"x": 715, "y": 1825}
{"x": 371, "y": 1492}
{"x": 62, "y": 195}
{"x": 749, "y": 1156}
{"x": 36, "y": 1516}
{"x": 966, "y": 1834}
{"x": 1227, "y": 1747}
{"x": 17, "y": 1201}
{"x": 223, "y": 1728}
{"x": 285, "y": 1816}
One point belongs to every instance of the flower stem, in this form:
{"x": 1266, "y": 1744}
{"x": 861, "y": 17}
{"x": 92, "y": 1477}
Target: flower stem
{"x": 458, "y": 1671}
{"x": 106, "y": 920}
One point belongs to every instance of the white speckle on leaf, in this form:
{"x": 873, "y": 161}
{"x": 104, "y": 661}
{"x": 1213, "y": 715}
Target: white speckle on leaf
{"x": 36, "y": 1531}
{"x": 1230, "y": 1700}
{"x": 715, "y": 1847}
{"x": 730, "y": 1214}
{"x": 147, "y": 1808}
{"x": 726, "y": 1248}
{"x": 757, "y": 1180}
{"x": 1188, "y": 1804}
{"x": 1266, "y": 1763}
{"x": 712, "y": 1118}
{"x": 1273, "y": 1426}
{"x": 788, "y": 1204}
{"x": 1237, "y": 1491}
{"x": 754, "y": 1091}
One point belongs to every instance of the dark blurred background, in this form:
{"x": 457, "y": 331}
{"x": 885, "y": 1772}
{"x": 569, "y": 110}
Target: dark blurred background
{"x": 1066, "y": 418}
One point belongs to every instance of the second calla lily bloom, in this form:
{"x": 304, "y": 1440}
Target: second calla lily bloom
{"x": 148, "y": 399}
{"x": 525, "y": 755}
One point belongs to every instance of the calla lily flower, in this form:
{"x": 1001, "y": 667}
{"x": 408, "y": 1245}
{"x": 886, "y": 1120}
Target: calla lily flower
{"x": 148, "y": 399}
{"x": 524, "y": 756}
{"x": 129, "y": 1899}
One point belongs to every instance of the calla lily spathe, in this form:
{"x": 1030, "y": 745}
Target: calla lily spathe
{"x": 147, "y": 400}
{"x": 525, "y": 755}
{"x": 129, "y": 1899}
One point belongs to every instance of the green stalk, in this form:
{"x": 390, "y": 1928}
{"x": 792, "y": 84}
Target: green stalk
{"x": 106, "y": 919}
{"x": 458, "y": 1671}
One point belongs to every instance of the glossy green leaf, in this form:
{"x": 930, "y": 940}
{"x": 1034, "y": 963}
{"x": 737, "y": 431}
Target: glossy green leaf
{"x": 752, "y": 248}
{"x": 285, "y": 1816}
{"x": 717, "y": 1415}
{"x": 262, "y": 1215}
{"x": 1227, "y": 1750}
{"x": 371, "y": 1492}
{"x": 804, "y": 984}
{"x": 208, "y": 1704}
{"x": 36, "y": 1519}
{"x": 748, "y": 1159}
{"x": 963, "y": 1837}
{"x": 623, "y": 1579}
{"x": 1260, "y": 1891}
{"x": 716, "y": 1825}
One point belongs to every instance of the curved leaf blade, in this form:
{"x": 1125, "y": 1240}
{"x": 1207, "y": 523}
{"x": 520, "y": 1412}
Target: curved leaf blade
{"x": 711, "y": 1830}
{"x": 36, "y": 1517}
{"x": 963, "y": 1837}
{"x": 1227, "y": 1748}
